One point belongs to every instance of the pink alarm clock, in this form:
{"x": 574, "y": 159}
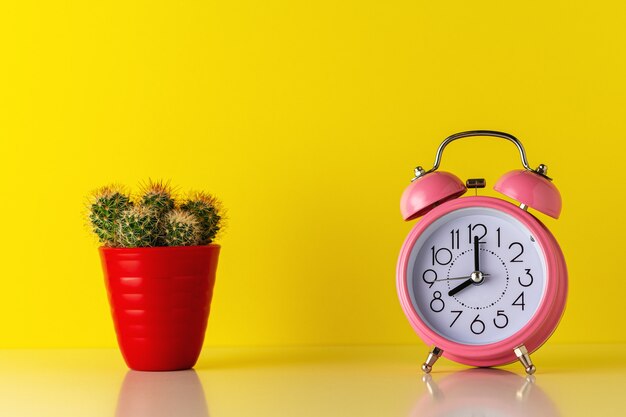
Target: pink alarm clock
{"x": 479, "y": 278}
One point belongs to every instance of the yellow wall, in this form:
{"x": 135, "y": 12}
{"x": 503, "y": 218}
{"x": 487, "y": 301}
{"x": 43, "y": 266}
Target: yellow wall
{"x": 307, "y": 119}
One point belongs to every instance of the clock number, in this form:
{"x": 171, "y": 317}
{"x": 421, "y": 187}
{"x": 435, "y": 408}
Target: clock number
{"x": 529, "y": 279}
{"x": 506, "y": 319}
{"x": 430, "y": 283}
{"x": 520, "y": 252}
{"x": 477, "y": 326}
{"x": 437, "y": 301}
{"x": 458, "y": 314}
{"x": 442, "y": 256}
{"x": 471, "y": 228}
{"x": 521, "y": 303}
{"x": 498, "y": 231}
{"x": 455, "y": 238}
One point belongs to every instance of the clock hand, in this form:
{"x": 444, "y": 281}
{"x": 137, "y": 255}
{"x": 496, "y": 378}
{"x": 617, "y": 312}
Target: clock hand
{"x": 455, "y": 278}
{"x": 476, "y": 277}
{"x": 460, "y": 287}
{"x": 476, "y": 255}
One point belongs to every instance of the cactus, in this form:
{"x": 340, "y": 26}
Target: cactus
{"x": 181, "y": 229}
{"x": 153, "y": 219}
{"x": 138, "y": 227}
{"x": 106, "y": 207}
{"x": 207, "y": 210}
{"x": 157, "y": 196}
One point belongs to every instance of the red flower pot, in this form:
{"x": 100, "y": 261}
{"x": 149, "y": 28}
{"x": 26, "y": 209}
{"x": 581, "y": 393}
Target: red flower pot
{"x": 160, "y": 299}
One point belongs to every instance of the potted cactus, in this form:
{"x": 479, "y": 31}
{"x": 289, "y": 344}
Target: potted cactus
{"x": 159, "y": 263}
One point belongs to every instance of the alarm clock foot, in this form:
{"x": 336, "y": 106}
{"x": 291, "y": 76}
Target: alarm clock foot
{"x": 522, "y": 354}
{"x": 434, "y": 354}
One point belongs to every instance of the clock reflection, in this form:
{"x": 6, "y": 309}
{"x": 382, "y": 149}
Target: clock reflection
{"x": 483, "y": 392}
{"x": 160, "y": 394}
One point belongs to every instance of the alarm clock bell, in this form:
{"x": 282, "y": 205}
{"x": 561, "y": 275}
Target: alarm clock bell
{"x": 531, "y": 188}
{"x": 428, "y": 191}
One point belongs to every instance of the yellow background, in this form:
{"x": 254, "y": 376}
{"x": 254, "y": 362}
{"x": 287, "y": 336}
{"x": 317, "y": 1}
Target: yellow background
{"x": 306, "y": 119}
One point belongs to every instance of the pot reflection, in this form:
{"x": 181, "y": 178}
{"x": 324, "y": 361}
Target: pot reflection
{"x": 484, "y": 392}
{"x": 156, "y": 394}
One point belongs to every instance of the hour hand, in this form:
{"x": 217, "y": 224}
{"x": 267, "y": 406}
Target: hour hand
{"x": 476, "y": 277}
{"x": 460, "y": 287}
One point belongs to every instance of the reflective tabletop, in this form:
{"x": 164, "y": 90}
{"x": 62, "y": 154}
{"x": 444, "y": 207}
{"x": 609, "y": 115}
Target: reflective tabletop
{"x": 571, "y": 380}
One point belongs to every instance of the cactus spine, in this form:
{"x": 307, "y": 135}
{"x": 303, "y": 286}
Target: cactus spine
{"x": 158, "y": 197}
{"x": 138, "y": 227}
{"x": 207, "y": 210}
{"x": 181, "y": 229}
{"x": 108, "y": 204}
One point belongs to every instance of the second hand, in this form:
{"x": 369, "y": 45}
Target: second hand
{"x": 455, "y": 278}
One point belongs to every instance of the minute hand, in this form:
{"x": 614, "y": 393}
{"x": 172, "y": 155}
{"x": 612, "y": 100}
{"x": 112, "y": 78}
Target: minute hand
{"x": 470, "y": 280}
{"x": 476, "y": 255}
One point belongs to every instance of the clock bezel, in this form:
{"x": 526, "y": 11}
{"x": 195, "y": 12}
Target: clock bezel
{"x": 540, "y": 326}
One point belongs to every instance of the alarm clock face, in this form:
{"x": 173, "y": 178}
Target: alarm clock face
{"x": 503, "y": 293}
